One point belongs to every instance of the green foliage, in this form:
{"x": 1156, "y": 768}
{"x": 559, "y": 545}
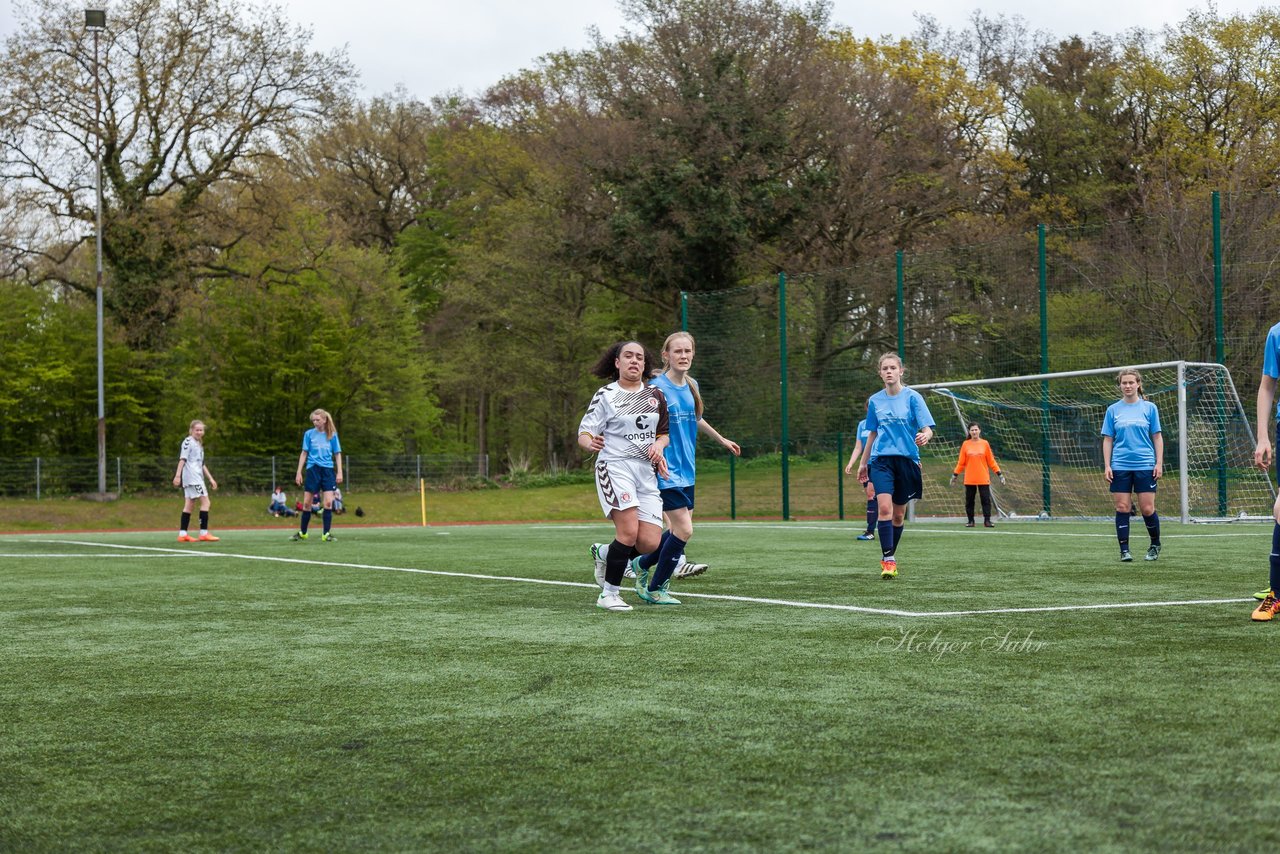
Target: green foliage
{"x": 532, "y": 479}
{"x": 48, "y": 390}
{"x": 260, "y": 356}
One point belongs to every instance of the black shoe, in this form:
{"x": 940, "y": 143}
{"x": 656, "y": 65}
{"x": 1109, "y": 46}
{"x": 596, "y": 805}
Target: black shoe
{"x": 988, "y": 524}
{"x": 969, "y": 524}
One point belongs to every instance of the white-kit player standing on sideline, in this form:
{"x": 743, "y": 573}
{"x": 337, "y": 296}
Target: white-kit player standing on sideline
{"x": 191, "y": 475}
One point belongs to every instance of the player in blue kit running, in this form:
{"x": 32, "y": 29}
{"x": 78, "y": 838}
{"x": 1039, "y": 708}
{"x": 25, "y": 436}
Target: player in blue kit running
{"x": 872, "y": 511}
{"x": 1262, "y": 455}
{"x": 322, "y": 459}
{"x": 655, "y": 570}
{"x": 1133, "y": 459}
{"x": 899, "y": 424}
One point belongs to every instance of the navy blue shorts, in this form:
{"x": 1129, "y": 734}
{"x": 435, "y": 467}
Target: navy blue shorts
{"x": 1143, "y": 480}
{"x": 677, "y": 497}
{"x": 320, "y": 479}
{"x": 897, "y": 476}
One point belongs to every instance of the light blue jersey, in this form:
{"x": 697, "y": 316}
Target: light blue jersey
{"x": 682, "y": 422}
{"x": 896, "y": 419}
{"x": 1131, "y": 426}
{"x": 1271, "y": 360}
{"x": 320, "y": 448}
{"x": 863, "y": 432}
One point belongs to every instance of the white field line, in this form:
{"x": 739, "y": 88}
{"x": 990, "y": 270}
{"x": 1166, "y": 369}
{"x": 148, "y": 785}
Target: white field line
{"x": 824, "y": 606}
{"x": 96, "y": 557}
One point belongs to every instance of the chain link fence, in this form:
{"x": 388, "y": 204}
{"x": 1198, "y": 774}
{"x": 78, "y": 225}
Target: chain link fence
{"x": 39, "y": 477}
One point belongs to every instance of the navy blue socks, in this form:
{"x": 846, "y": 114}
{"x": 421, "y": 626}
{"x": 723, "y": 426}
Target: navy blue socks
{"x": 1122, "y": 530}
{"x": 668, "y": 557}
{"x": 884, "y": 529}
{"x": 1275, "y": 558}
{"x": 1153, "y": 527}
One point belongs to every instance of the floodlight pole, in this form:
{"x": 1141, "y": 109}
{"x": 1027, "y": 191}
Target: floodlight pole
{"x": 95, "y": 20}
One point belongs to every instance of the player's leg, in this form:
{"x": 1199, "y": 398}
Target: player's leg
{"x": 614, "y": 480}
{"x": 1121, "y": 486}
{"x": 205, "y": 536}
{"x": 970, "y": 492}
{"x": 1147, "y": 506}
{"x": 1270, "y": 605}
{"x": 673, "y": 543}
{"x": 188, "y": 503}
{"x": 882, "y": 480}
{"x": 310, "y": 486}
{"x": 326, "y": 516}
{"x": 984, "y": 491}
{"x": 873, "y": 512}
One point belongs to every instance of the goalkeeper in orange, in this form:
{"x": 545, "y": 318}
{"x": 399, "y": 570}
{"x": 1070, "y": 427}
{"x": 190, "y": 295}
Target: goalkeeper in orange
{"x": 977, "y": 462}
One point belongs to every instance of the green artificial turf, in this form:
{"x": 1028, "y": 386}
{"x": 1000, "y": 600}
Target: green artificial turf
{"x": 252, "y": 695}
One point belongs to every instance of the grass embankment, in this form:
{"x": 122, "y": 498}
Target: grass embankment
{"x": 756, "y": 494}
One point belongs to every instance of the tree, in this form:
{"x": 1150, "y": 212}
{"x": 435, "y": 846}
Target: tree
{"x": 256, "y": 353}
{"x": 1075, "y": 134}
{"x": 195, "y": 95}
{"x": 372, "y": 166}
{"x": 676, "y": 143}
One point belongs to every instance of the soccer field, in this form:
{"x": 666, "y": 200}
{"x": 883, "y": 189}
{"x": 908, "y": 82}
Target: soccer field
{"x": 455, "y": 688}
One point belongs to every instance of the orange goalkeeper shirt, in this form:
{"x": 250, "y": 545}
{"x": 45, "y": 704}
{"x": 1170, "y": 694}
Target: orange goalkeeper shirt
{"x": 977, "y": 462}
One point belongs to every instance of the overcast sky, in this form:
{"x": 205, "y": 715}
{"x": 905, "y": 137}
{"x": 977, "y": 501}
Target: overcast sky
{"x": 433, "y": 47}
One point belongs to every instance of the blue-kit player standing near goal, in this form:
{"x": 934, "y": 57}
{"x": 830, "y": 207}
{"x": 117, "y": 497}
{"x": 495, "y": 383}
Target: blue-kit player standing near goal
{"x": 1133, "y": 459}
{"x": 322, "y": 458}
{"x": 1262, "y": 455}
{"x": 899, "y": 424}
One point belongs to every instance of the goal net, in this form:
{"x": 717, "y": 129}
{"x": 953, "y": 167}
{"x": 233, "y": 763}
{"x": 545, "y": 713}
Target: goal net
{"x": 1045, "y": 432}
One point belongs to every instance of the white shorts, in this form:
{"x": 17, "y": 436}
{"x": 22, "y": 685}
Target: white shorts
{"x": 194, "y": 490}
{"x": 621, "y": 484}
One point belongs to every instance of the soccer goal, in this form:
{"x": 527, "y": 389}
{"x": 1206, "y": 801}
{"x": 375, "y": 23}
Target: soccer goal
{"x": 1045, "y": 432}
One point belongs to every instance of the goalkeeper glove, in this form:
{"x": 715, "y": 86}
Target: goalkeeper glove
{"x": 1001, "y": 476}
{"x": 953, "y": 480}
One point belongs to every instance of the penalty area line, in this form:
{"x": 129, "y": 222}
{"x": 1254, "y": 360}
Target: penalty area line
{"x": 723, "y": 597}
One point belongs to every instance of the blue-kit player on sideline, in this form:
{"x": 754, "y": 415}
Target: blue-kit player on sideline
{"x": 321, "y": 458}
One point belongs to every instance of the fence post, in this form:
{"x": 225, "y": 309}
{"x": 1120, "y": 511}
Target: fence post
{"x": 1219, "y": 350}
{"x": 840, "y": 474}
{"x": 733, "y": 490}
{"x": 119, "y": 479}
{"x": 273, "y": 472}
{"x": 37, "y": 478}
{"x": 1046, "y": 490}
{"x": 782, "y": 370}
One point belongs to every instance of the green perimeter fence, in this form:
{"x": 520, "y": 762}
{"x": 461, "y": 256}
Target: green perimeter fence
{"x": 786, "y": 365}
{"x": 39, "y": 477}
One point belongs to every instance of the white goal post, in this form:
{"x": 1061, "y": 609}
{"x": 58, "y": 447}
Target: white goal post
{"x": 1045, "y": 432}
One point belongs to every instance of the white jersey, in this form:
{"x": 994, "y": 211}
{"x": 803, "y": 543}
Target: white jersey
{"x": 193, "y": 468}
{"x": 629, "y": 421}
